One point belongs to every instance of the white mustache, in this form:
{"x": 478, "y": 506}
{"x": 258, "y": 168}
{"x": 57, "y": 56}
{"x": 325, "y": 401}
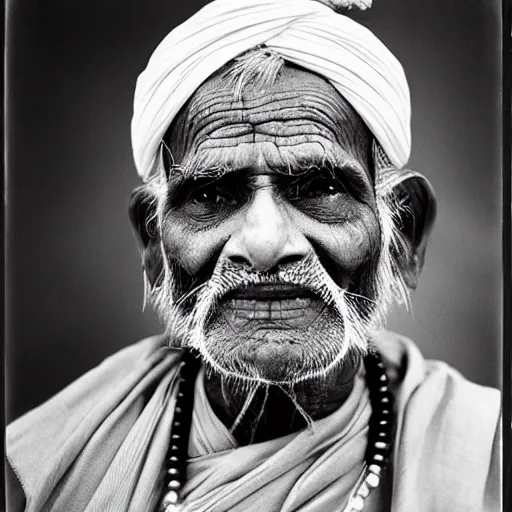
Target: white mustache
{"x": 307, "y": 274}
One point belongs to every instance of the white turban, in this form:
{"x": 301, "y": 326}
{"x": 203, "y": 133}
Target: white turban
{"x": 304, "y": 32}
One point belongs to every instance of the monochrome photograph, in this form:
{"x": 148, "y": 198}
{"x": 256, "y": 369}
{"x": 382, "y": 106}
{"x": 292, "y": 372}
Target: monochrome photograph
{"x": 254, "y": 256}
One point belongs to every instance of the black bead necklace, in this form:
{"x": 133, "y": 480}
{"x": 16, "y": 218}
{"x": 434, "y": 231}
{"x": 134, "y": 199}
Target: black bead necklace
{"x": 380, "y": 432}
{"x": 377, "y": 452}
{"x": 180, "y": 431}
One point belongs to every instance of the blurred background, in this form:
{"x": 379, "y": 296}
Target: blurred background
{"x": 74, "y": 282}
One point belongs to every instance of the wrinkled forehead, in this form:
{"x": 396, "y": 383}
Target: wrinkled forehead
{"x": 298, "y": 107}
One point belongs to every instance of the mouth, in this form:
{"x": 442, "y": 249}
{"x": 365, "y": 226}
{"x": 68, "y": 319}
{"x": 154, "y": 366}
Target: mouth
{"x": 277, "y": 306}
{"x": 270, "y": 292}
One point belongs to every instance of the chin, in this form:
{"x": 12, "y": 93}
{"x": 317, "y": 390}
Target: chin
{"x": 275, "y": 354}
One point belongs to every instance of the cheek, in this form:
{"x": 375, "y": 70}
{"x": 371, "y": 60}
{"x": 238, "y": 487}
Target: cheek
{"x": 193, "y": 249}
{"x": 352, "y": 244}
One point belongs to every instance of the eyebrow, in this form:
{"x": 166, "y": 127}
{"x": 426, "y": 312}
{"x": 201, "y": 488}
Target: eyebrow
{"x": 310, "y": 163}
{"x": 181, "y": 183}
{"x": 213, "y": 164}
{"x": 352, "y": 178}
{"x": 348, "y": 172}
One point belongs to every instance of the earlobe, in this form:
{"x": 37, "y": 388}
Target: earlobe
{"x": 143, "y": 217}
{"x": 414, "y": 198}
{"x": 411, "y": 270}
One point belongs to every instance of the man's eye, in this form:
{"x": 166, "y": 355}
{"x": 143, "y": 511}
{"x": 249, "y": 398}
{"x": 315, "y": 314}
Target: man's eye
{"x": 212, "y": 196}
{"x": 314, "y": 188}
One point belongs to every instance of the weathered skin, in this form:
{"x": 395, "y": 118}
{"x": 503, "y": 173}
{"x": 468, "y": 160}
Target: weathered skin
{"x": 260, "y": 220}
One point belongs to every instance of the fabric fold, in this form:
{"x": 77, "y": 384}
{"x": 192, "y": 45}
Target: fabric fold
{"x": 288, "y": 471}
{"x": 62, "y": 451}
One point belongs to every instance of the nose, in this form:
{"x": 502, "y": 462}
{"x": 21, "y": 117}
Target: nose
{"x": 267, "y": 236}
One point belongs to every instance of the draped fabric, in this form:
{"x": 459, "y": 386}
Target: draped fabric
{"x": 312, "y": 470}
{"x": 303, "y": 32}
{"x": 100, "y": 444}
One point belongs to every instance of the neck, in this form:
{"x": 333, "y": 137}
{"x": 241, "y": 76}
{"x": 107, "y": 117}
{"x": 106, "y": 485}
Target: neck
{"x": 273, "y": 412}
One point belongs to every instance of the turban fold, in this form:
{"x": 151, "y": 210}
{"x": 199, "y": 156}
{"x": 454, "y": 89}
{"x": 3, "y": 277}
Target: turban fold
{"x": 304, "y": 32}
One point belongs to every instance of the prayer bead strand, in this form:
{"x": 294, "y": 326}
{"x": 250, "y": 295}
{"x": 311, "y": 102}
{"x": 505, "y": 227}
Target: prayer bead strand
{"x": 180, "y": 431}
{"x": 379, "y": 434}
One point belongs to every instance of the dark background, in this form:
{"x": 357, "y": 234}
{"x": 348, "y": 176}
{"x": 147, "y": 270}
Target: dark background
{"x": 73, "y": 282}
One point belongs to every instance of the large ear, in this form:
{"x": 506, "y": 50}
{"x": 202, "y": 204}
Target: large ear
{"x": 416, "y": 215}
{"x": 142, "y": 211}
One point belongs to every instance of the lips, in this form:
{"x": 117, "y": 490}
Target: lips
{"x": 283, "y": 309}
{"x": 271, "y": 292}
{"x": 278, "y": 306}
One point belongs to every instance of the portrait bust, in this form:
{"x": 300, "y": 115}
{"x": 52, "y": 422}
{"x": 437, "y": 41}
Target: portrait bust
{"x": 279, "y": 222}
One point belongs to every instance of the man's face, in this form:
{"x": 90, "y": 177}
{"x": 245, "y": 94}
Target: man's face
{"x": 271, "y": 220}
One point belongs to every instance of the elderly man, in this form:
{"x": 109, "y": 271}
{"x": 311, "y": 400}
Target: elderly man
{"x": 277, "y": 224}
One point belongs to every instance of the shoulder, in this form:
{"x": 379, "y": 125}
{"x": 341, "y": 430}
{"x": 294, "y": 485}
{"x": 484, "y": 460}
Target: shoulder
{"x": 85, "y": 392}
{"x": 448, "y": 433}
{"x": 436, "y": 388}
{"x": 416, "y": 378}
{"x": 58, "y": 429}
